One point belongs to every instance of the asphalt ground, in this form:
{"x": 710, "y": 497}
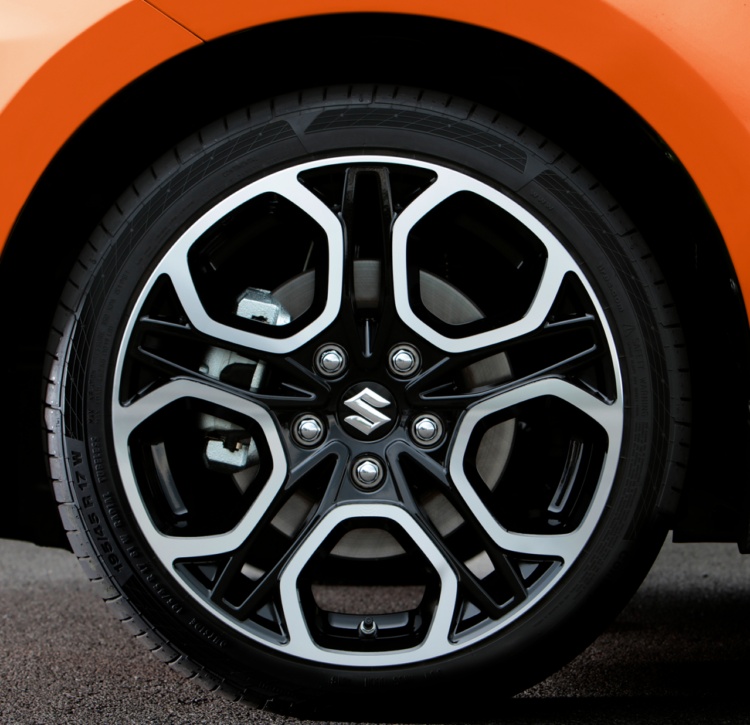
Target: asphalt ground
{"x": 679, "y": 653}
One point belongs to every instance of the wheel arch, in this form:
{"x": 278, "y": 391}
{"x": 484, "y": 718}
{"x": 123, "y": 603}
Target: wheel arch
{"x": 156, "y": 111}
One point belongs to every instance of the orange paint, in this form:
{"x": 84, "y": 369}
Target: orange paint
{"x": 682, "y": 66}
{"x": 66, "y": 89}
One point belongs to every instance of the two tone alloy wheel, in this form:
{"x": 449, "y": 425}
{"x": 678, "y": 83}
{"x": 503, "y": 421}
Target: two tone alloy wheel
{"x": 372, "y": 411}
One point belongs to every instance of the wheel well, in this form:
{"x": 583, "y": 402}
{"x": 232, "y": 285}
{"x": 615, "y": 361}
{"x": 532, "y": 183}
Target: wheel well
{"x": 557, "y": 99}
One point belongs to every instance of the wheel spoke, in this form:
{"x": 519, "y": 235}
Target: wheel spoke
{"x": 440, "y": 397}
{"x": 467, "y": 579}
{"x": 313, "y": 459}
{"x": 294, "y": 396}
{"x": 552, "y": 335}
{"x": 268, "y": 581}
{"x": 367, "y": 215}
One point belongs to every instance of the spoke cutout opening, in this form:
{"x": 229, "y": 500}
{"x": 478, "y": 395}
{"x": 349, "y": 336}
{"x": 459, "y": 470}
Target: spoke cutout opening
{"x": 263, "y": 267}
{"x": 533, "y": 494}
{"x": 198, "y": 467}
{"x": 507, "y": 262}
{"x": 339, "y": 593}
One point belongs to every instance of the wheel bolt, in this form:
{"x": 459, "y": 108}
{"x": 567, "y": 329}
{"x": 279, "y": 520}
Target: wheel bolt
{"x": 367, "y": 473}
{"x": 307, "y": 430}
{"x": 427, "y": 430}
{"x": 330, "y": 360}
{"x": 404, "y": 360}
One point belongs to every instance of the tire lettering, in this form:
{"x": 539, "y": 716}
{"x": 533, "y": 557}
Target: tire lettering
{"x": 97, "y": 458}
{"x": 159, "y": 590}
{"x": 204, "y": 631}
{"x": 543, "y": 201}
{"x": 77, "y": 463}
{"x": 604, "y": 274}
{"x": 112, "y": 511}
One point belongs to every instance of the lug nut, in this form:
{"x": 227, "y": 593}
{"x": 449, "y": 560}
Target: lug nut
{"x": 367, "y": 473}
{"x": 427, "y": 430}
{"x": 404, "y": 360}
{"x": 330, "y": 360}
{"x": 307, "y": 430}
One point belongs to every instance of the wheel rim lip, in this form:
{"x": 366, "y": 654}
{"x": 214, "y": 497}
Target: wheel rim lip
{"x": 559, "y": 262}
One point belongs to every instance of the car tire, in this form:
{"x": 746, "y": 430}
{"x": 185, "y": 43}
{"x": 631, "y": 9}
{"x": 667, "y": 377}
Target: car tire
{"x": 363, "y": 397}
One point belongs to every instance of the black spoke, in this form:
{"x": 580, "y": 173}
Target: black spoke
{"x": 269, "y": 579}
{"x": 441, "y": 397}
{"x": 269, "y": 582}
{"x": 312, "y": 459}
{"x": 367, "y": 215}
{"x": 172, "y": 370}
{"x": 444, "y": 384}
{"x": 295, "y": 384}
{"x": 472, "y": 585}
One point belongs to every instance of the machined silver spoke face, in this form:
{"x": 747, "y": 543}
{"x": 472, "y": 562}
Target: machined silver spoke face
{"x": 367, "y": 411}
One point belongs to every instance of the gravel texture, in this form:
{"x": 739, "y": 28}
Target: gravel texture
{"x": 679, "y": 653}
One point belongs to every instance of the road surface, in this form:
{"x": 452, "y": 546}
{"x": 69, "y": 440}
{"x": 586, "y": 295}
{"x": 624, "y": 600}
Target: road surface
{"x": 679, "y": 653}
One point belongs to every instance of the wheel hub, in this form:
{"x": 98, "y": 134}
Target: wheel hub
{"x": 368, "y": 411}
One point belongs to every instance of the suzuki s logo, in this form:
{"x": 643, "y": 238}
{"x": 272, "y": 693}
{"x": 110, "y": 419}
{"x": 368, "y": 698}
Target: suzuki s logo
{"x": 365, "y": 404}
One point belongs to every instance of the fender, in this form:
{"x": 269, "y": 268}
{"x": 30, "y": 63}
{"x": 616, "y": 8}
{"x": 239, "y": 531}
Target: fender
{"x": 66, "y": 70}
{"x": 682, "y": 76}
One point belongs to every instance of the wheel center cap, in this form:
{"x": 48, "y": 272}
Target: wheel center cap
{"x": 368, "y": 411}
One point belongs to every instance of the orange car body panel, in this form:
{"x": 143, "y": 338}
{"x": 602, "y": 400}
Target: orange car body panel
{"x": 683, "y": 66}
{"x": 72, "y": 57}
